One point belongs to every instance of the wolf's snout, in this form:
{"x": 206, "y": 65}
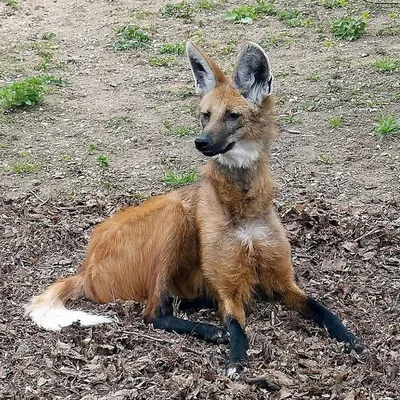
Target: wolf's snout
{"x": 202, "y": 142}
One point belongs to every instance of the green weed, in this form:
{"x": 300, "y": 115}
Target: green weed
{"x": 12, "y": 3}
{"x": 159, "y": 61}
{"x": 130, "y": 38}
{"x": 20, "y": 167}
{"x": 92, "y": 147}
{"x": 205, "y": 4}
{"x": 348, "y": 28}
{"x": 181, "y": 10}
{"x": 102, "y": 161}
{"x": 172, "y": 48}
{"x": 387, "y": 125}
{"x": 323, "y": 158}
{"x": 48, "y": 35}
{"x": 333, "y": 3}
{"x": 27, "y": 92}
{"x": 387, "y": 64}
{"x": 290, "y": 17}
{"x": 185, "y": 92}
{"x": 314, "y": 77}
{"x": 179, "y": 179}
{"x": 181, "y": 131}
{"x": 247, "y": 14}
{"x": 335, "y": 121}
{"x": 393, "y": 30}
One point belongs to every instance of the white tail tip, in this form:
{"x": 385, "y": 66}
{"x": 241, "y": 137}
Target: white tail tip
{"x": 55, "y": 318}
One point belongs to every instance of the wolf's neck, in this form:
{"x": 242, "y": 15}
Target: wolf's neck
{"x": 246, "y": 192}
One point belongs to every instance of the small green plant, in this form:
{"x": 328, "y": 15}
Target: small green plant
{"x": 387, "y": 64}
{"x": 290, "y": 17}
{"x": 185, "y": 92}
{"x": 333, "y": 3}
{"x": 162, "y": 61}
{"x": 179, "y": 179}
{"x": 102, "y": 161}
{"x": 335, "y": 121}
{"x": 172, "y": 48}
{"x": 27, "y": 92}
{"x": 205, "y": 4}
{"x": 130, "y": 38}
{"x": 314, "y": 77}
{"x": 348, "y": 28}
{"x": 48, "y": 35}
{"x": 289, "y": 119}
{"x": 392, "y": 30}
{"x": 324, "y": 158}
{"x": 247, "y": 14}
{"x": 12, "y": 3}
{"x": 92, "y": 147}
{"x": 181, "y": 131}
{"x": 181, "y": 10}
{"x": 20, "y": 167}
{"x": 387, "y": 125}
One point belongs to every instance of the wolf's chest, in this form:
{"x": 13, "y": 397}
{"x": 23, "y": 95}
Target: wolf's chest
{"x": 252, "y": 233}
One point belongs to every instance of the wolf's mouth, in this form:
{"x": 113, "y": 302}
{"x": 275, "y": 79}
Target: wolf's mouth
{"x": 217, "y": 149}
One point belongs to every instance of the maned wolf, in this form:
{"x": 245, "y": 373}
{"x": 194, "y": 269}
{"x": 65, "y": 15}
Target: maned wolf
{"x": 217, "y": 241}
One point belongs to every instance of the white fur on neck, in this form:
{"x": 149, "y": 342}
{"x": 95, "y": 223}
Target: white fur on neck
{"x": 242, "y": 155}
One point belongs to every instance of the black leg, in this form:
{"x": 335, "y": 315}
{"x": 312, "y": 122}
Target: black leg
{"x": 201, "y": 303}
{"x": 237, "y": 347}
{"x": 169, "y": 323}
{"x": 325, "y": 318}
{"x": 207, "y": 332}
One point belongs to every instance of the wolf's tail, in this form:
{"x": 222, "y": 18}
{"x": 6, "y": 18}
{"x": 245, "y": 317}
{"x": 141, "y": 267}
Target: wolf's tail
{"x": 48, "y": 311}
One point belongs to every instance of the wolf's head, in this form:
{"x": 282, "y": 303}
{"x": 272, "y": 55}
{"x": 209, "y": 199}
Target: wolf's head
{"x": 235, "y": 113}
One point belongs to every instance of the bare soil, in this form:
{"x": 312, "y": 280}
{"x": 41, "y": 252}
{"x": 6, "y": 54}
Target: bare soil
{"x": 338, "y": 198}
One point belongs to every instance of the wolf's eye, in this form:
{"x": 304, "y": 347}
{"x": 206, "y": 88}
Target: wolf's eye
{"x": 233, "y": 116}
{"x": 206, "y": 115}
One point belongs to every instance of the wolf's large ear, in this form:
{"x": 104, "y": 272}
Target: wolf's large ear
{"x": 207, "y": 74}
{"x": 252, "y": 76}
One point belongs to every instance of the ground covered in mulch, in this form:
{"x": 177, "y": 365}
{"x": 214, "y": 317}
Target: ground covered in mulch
{"x": 338, "y": 184}
{"x": 347, "y": 257}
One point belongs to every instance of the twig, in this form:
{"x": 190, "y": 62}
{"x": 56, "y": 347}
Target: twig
{"x": 262, "y": 382}
{"x": 293, "y": 131}
{"x": 375, "y": 230}
{"x": 41, "y": 200}
{"x": 165, "y": 341}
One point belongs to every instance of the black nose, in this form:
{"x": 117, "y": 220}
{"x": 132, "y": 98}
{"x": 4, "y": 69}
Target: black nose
{"x": 202, "y": 141}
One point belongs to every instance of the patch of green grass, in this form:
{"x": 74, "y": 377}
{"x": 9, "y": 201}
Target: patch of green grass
{"x": 130, "y": 37}
{"x": 335, "y": 121}
{"x": 92, "y": 147}
{"x": 12, "y": 3}
{"x": 205, "y": 4}
{"x": 277, "y": 40}
{"x": 348, "y": 28}
{"x": 248, "y": 13}
{"x": 387, "y": 125}
{"x": 102, "y": 161}
{"x": 20, "y": 167}
{"x": 314, "y": 77}
{"x": 181, "y": 130}
{"x": 47, "y": 63}
{"x": 392, "y": 30}
{"x": 289, "y": 119}
{"x": 387, "y": 64}
{"x": 323, "y": 158}
{"x": 290, "y": 17}
{"x": 186, "y": 91}
{"x": 48, "y": 35}
{"x": 172, "y": 48}
{"x": 64, "y": 157}
{"x": 182, "y": 10}
{"x": 162, "y": 61}
{"x": 27, "y": 92}
{"x": 333, "y": 3}
{"x": 179, "y": 179}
